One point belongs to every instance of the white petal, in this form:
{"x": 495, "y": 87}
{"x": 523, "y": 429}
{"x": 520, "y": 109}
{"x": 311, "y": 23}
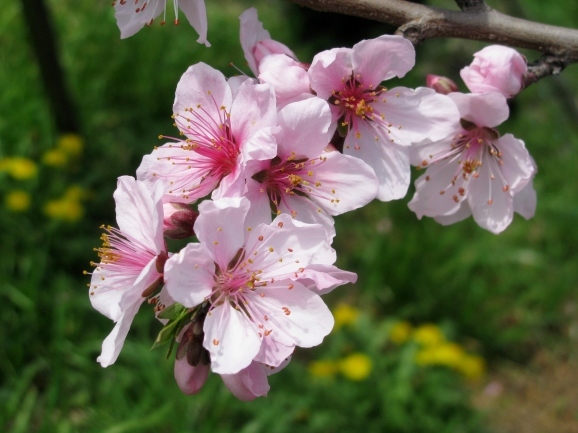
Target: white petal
{"x": 249, "y": 383}
{"x": 112, "y": 345}
{"x": 382, "y": 58}
{"x": 221, "y": 226}
{"x": 196, "y": 13}
{"x": 492, "y": 208}
{"x": 230, "y": 338}
{"x": 296, "y": 316}
{"x": 189, "y": 275}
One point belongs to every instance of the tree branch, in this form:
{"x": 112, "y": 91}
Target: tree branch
{"x": 476, "y": 21}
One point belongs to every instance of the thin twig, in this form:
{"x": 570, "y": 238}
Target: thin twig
{"x": 476, "y": 21}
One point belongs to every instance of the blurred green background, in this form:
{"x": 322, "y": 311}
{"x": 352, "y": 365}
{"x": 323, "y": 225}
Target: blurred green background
{"x": 448, "y": 329}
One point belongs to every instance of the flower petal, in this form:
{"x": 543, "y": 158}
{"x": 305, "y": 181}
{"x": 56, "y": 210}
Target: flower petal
{"x": 382, "y": 58}
{"x": 230, "y": 338}
{"x": 196, "y": 13}
{"x": 189, "y": 275}
{"x": 249, "y": 383}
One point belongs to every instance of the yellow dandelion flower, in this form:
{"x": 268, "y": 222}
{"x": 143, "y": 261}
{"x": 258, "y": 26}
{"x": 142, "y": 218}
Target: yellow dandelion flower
{"x": 19, "y": 168}
{"x": 472, "y": 366}
{"x": 356, "y": 366}
{"x": 323, "y": 368}
{"x": 428, "y": 334}
{"x": 55, "y": 158}
{"x": 17, "y": 201}
{"x": 344, "y": 315}
{"x": 64, "y": 209}
{"x": 71, "y": 144}
{"x": 400, "y": 332}
{"x": 446, "y": 354}
{"x": 75, "y": 192}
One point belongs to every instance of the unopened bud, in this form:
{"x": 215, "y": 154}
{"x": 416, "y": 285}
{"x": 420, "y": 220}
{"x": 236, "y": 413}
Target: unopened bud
{"x": 178, "y": 221}
{"x": 440, "y": 84}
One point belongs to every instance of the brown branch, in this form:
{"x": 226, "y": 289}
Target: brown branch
{"x": 473, "y": 5}
{"x": 476, "y": 21}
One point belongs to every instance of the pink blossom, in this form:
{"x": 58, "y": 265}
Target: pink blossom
{"x": 441, "y": 84}
{"x": 131, "y": 261}
{"x": 256, "y": 41}
{"x": 225, "y": 127}
{"x": 304, "y": 180}
{"x": 474, "y": 170}
{"x": 251, "y": 382}
{"x": 131, "y": 15}
{"x": 379, "y": 124}
{"x": 258, "y": 310}
{"x": 496, "y": 69}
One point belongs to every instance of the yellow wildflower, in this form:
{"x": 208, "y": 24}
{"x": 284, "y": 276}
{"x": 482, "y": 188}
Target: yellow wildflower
{"x": 356, "y": 366}
{"x": 428, "y": 334}
{"x": 19, "y": 168}
{"x": 17, "y": 201}
{"x": 446, "y": 354}
{"x": 75, "y": 192}
{"x": 345, "y": 314}
{"x": 323, "y": 368}
{"x": 64, "y": 209}
{"x": 400, "y": 332}
{"x": 55, "y": 158}
{"x": 472, "y": 366}
{"x": 70, "y": 144}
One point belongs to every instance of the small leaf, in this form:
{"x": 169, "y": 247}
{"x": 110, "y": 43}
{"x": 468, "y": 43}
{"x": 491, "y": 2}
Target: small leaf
{"x": 172, "y": 312}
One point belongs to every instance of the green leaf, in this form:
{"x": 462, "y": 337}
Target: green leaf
{"x": 172, "y": 312}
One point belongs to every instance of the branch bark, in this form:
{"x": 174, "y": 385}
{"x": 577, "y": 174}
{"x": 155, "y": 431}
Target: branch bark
{"x": 476, "y": 21}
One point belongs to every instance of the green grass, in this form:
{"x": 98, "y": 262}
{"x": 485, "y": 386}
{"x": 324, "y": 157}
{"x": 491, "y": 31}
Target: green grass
{"x": 503, "y": 296}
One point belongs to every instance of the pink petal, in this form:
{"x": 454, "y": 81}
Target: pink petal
{"x": 273, "y": 353}
{"x": 416, "y": 115}
{"x": 221, "y": 226}
{"x": 347, "y": 183}
{"x": 281, "y": 248}
{"x": 492, "y": 208}
{"x": 389, "y": 161}
{"x": 177, "y": 170}
{"x": 287, "y": 77}
{"x": 230, "y": 338}
{"x": 296, "y": 315}
{"x": 305, "y": 128}
{"x": 382, "y": 58}
{"x": 129, "y": 21}
{"x": 249, "y": 383}
{"x": 112, "y": 345}
{"x": 525, "y": 201}
{"x": 329, "y": 70}
{"x": 253, "y": 109}
{"x": 485, "y": 109}
{"x": 252, "y": 31}
{"x": 322, "y": 278}
{"x": 139, "y": 212}
{"x": 435, "y": 193}
{"x": 462, "y": 213}
{"x": 518, "y": 166}
{"x": 189, "y": 275}
{"x": 205, "y": 86}
{"x": 196, "y": 13}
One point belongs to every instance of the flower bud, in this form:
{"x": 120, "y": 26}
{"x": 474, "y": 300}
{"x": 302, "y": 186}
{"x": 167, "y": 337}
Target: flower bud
{"x": 496, "y": 69}
{"x": 440, "y": 84}
{"x": 178, "y": 221}
{"x": 190, "y": 379}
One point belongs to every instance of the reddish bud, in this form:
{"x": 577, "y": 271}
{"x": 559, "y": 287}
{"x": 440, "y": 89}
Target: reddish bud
{"x": 441, "y": 84}
{"x": 179, "y": 220}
